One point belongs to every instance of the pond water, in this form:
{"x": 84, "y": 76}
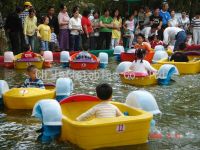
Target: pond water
{"x": 179, "y": 103}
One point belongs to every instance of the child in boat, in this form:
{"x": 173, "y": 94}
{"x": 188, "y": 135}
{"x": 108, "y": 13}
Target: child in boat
{"x": 155, "y": 41}
{"x": 28, "y": 52}
{"x": 141, "y": 44}
{"x": 141, "y": 66}
{"x": 84, "y": 54}
{"x": 33, "y": 81}
{"x": 103, "y": 109}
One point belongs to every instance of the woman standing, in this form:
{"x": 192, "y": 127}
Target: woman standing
{"x": 173, "y": 22}
{"x": 95, "y": 35}
{"x": 116, "y": 32}
{"x": 63, "y": 19}
{"x": 87, "y": 28}
{"x": 106, "y": 29}
{"x": 76, "y": 29}
{"x": 30, "y": 28}
{"x": 184, "y": 21}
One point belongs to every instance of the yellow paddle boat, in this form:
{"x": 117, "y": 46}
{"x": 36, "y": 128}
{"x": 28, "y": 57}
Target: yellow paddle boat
{"x": 130, "y": 78}
{"x": 25, "y": 98}
{"x": 105, "y": 132}
{"x": 191, "y": 67}
{"x": 23, "y": 63}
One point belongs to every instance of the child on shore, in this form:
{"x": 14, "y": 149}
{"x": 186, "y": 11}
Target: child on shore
{"x": 44, "y": 33}
{"x": 53, "y": 44}
{"x": 33, "y": 81}
{"x": 140, "y": 65}
{"x": 126, "y": 36}
{"x": 103, "y": 109}
{"x": 28, "y": 53}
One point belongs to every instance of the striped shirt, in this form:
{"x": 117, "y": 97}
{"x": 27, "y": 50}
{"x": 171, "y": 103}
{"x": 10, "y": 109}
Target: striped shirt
{"x": 23, "y": 15}
{"x": 195, "y": 22}
{"x": 54, "y": 38}
{"x": 101, "y": 110}
{"x": 37, "y": 83}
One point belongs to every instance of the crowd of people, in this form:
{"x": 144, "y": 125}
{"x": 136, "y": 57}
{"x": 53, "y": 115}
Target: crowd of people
{"x": 72, "y": 30}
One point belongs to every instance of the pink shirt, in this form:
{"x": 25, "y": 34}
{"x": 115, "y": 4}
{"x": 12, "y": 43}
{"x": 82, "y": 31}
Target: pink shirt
{"x": 63, "y": 18}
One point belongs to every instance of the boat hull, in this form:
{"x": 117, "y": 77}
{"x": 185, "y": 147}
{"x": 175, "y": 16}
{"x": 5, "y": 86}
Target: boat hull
{"x": 139, "y": 81}
{"x": 26, "y": 98}
{"x": 104, "y": 132}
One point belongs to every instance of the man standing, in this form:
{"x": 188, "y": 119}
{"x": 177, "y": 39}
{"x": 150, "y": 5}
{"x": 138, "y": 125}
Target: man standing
{"x": 165, "y": 15}
{"x": 14, "y": 28}
{"x": 53, "y": 20}
{"x": 24, "y": 14}
{"x": 156, "y": 23}
{"x": 175, "y": 33}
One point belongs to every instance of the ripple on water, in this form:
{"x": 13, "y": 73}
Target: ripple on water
{"x": 178, "y": 102}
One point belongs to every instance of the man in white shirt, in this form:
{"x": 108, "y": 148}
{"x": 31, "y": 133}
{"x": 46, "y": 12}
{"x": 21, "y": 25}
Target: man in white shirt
{"x": 175, "y": 33}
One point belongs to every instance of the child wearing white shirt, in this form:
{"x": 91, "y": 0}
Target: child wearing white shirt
{"x": 103, "y": 109}
{"x": 140, "y": 65}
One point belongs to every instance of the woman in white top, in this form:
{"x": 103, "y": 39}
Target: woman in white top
{"x": 184, "y": 21}
{"x": 75, "y": 28}
{"x": 173, "y": 22}
{"x": 141, "y": 66}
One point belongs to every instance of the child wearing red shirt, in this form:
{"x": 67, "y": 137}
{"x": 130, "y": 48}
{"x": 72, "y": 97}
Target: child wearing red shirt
{"x": 155, "y": 42}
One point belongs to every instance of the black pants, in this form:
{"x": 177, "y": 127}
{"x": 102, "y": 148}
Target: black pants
{"x": 85, "y": 42}
{"x": 94, "y": 40}
{"x": 75, "y": 41}
{"x": 16, "y": 42}
{"x": 104, "y": 37}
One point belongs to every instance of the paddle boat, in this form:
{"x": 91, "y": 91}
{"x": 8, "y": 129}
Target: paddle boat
{"x": 25, "y": 98}
{"x": 130, "y": 56}
{"x": 57, "y": 55}
{"x": 23, "y": 63}
{"x": 17, "y": 62}
{"x": 83, "y": 60}
{"x": 95, "y": 132}
{"x": 163, "y": 76}
{"x": 191, "y": 67}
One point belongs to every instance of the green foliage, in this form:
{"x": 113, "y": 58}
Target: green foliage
{"x": 7, "y": 6}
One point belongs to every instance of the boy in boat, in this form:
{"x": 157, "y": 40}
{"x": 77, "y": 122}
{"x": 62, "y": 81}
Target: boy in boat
{"x": 103, "y": 109}
{"x": 84, "y": 54}
{"x": 28, "y": 52}
{"x": 33, "y": 81}
{"x": 141, "y": 66}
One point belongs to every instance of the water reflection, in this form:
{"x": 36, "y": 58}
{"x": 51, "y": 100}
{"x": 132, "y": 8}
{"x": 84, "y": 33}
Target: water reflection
{"x": 179, "y": 103}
